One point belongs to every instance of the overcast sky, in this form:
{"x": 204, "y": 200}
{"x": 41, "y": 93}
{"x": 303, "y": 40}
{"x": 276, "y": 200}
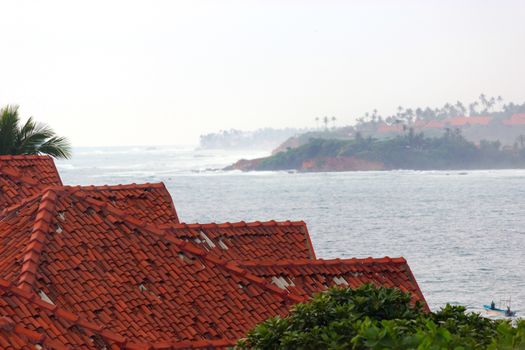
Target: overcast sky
{"x": 163, "y": 72}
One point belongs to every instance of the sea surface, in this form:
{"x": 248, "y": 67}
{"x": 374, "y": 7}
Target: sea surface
{"x": 462, "y": 232}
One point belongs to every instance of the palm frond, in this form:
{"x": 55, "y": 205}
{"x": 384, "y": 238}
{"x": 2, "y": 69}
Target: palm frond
{"x": 58, "y": 147}
{"x": 31, "y": 138}
{"x": 8, "y": 128}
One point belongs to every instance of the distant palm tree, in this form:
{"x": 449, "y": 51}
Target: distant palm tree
{"x": 461, "y": 108}
{"x": 30, "y": 138}
{"x": 317, "y": 122}
{"x": 325, "y": 121}
{"x": 333, "y": 122}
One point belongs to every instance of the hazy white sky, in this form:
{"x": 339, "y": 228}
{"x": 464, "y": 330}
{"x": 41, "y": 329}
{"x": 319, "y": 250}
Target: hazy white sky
{"x": 163, "y": 72}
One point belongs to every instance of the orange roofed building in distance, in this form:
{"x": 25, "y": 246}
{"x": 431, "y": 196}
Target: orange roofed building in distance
{"x": 516, "y": 119}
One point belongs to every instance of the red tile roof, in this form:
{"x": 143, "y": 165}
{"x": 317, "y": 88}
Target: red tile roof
{"x": 269, "y": 240}
{"x": 124, "y": 273}
{"x": 25, "y": 176}
{"x": 516, "y": 119}
{"x": 139, "y": 281}
{"x": 305, "y": 277}
{"x": 429, "y": 124}
{"x": 27, "y": 321}
{"x": 150, "y": 202}
{"x": 474, "y": 120}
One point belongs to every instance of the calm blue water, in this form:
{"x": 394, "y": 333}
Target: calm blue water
{"x": 463, "y": 233}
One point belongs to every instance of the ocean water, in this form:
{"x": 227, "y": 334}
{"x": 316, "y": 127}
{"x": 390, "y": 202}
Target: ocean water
{"x": 462, "y": 232}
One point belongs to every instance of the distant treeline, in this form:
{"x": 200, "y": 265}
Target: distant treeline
{"x": 485, "y": 106}
{"x": 408, "y": 151}
{"x": 261, "y": 139}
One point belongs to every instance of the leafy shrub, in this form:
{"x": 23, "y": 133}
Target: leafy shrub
{"x": 377, "y": 318}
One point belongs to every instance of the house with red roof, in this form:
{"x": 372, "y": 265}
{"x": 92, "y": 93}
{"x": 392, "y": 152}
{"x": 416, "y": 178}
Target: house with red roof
{"x": 111, "y": 267}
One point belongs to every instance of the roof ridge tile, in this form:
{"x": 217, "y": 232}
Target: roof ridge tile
{"x": 33, "y": 251}
{"x": 24, "y": 156}
{"x": 347, "y": 261}
{"x": 236, "y": 224}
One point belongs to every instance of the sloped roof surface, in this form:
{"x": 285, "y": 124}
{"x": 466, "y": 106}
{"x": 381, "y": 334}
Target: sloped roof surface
{"x": 149, "y": 203}
{"x": 269, "y": 240}
{"x": 141, "y": 283}
{"x": 305, "y": 277}
{"x": 28, "y": 322}
{"x": 24, "y": 176}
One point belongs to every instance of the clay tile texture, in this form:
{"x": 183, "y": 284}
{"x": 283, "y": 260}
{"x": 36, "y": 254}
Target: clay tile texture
{"x": 246, "y": 241}
{"x": 24, "y": 176}
{"x": 136, "y": 283}
{"x": 148, "y": 203}
{"x": 111, "y": 267}
{"x": 305, "y": 277}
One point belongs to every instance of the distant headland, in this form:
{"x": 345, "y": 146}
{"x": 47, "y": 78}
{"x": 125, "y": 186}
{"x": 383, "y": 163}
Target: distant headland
{"x": 488, "y": 134}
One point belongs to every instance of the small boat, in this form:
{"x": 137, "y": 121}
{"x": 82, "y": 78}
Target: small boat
{"x": 493, "y": 310}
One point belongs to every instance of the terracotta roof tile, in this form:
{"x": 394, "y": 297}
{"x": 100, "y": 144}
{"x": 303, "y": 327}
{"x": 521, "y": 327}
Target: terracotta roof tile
{"x": 128, "y": 276}
{"x": 27, "y": 323}
{"x": 305, "y": 277}
{"x": 252, "y": 240}
{"x": 24, "y": 176}
{"x": 149, "y": 203}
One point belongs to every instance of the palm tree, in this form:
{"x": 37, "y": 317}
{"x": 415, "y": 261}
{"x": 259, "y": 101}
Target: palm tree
{"x": 30, "y": 138}
{"x": 317, "y": 122}
{"x": 333, "y": 122}
{"x": 325, "y": 121}
{"x": 461, "y": 108}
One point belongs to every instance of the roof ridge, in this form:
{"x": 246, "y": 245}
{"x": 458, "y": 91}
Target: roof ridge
{"x": 300, "y": 262}
{"x": 113, "y": 187}
{"x": 190, "y": 247}
{"x": 24, "y": 156}
{"x": 31, "y": 257}
{"x": 413, "y": 278}
{"x": 69, "y": 316}
{"x": 236, "y": 224}
{"x": 56, "y": 171}
{"x": 172, "y": 204}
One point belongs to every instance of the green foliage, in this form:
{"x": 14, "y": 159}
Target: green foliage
{"x": 30, "y": 138}
{"x": 380, "y": 318}
{"x": 408, "y": 151}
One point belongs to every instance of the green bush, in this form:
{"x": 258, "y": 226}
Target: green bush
{"x": 377, "y": 318}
